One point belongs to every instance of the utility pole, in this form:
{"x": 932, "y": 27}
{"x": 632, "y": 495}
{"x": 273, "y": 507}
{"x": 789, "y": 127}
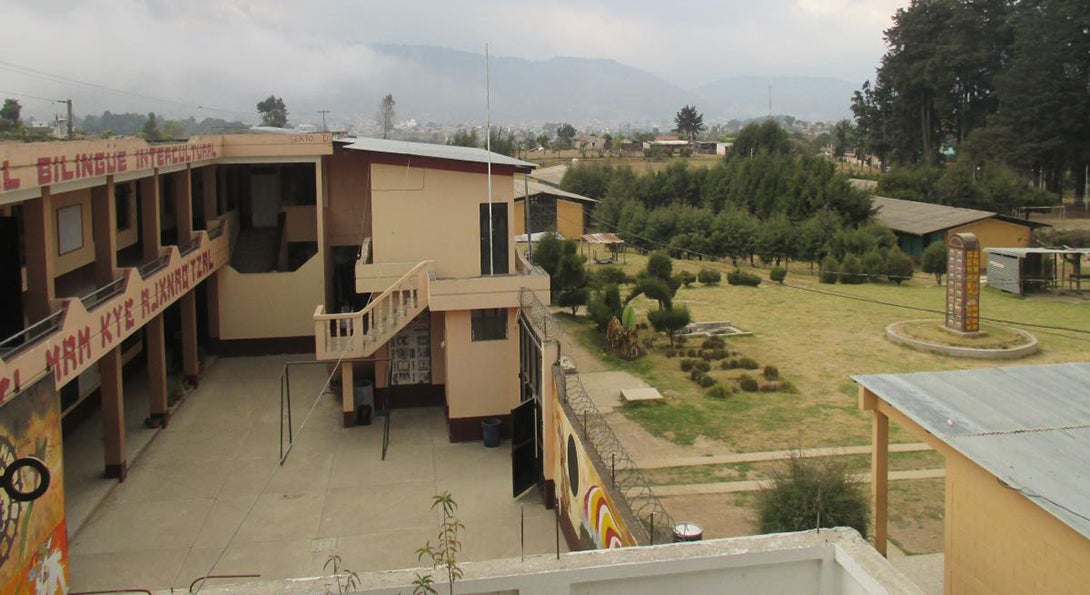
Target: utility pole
{"x": 68, "y": 102}
{"x": 324, "y": 112}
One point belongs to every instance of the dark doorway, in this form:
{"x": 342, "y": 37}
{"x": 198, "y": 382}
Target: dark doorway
{"x": 527, "y": 442}
{"x": 494, "y": 244}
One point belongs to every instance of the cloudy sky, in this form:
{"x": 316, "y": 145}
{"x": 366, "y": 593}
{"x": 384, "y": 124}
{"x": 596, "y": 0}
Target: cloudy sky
{"x": 220, "y": 54}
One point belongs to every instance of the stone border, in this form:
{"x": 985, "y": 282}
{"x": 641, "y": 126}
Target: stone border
{"x": 893, "y": 334}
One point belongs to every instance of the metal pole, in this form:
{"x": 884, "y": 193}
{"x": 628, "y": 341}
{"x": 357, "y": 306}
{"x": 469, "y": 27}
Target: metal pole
{"x": 68, "y": 102}
{"x": 488, "y": 149}
{"x": 526, "y": 216}
{"x": 556, "y": 515}
{"x": 522, "y": 531}
{"x": 613, "y": 470}
{"x": 652, "y": 532}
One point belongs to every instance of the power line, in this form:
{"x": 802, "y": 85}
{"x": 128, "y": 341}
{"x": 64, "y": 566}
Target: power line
{"x": 29, "y": 96}
{"x": 57, "y": 78}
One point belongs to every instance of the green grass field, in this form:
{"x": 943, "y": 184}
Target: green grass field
{"x": 818, "y": 336}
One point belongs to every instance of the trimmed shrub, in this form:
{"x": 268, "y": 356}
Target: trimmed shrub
{"x": 874, "y": 265}
{"x": 611, "y": 276}
{"x": 719, "y": 353}
{"x": 829, "y": 267}
{"x": 805, "y": 490}
{"x": 692, "y": 353}
{"x": 687, "y": 365}
{"x": 686, "y": 278}
{"x": 748, "y": 363}
{"x": 899, "y": 267}
{"x": 701, "y": 365}
{"x": 777, "y": 274}
{"x": 748, "y": 383}
{"x": 851, "y": 270}
{"x": 709, "y": 276}
{"x": 722, "y": 391}
{"x": 705, "y": 380}
{"x": 713, "y": 343}
{"x": 740, "y": 277}
{"x": 771, "y": 373}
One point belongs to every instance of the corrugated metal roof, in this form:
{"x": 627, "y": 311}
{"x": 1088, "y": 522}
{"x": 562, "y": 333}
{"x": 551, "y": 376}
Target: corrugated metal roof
{"x": 602, "y": 238}
{"x": 919, "y": 218}
{"x": 550, "y": 175}
{"x": 469, "y": 154}
{"x": 1021, "y": 252}
{"x": 1027, "y": 425}
{"x": 539, "y": 188}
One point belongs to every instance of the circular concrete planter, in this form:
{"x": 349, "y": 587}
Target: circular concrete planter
{"x": 1029, "y": 348}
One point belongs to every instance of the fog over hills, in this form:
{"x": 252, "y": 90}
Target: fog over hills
{"x": 433, "y": 84}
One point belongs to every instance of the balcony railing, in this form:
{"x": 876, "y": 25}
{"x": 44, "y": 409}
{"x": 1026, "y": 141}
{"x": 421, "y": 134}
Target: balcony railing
{"x": 103, "y": 294}
{"x": 16, "y": 343}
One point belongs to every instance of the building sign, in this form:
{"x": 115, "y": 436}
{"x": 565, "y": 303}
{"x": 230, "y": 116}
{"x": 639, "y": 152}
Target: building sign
{"x": 87, "y": 336}
{"x": 963, "y": 283}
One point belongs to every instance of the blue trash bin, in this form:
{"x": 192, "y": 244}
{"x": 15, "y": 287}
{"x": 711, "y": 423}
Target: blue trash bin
{"x": 490, "y": 431}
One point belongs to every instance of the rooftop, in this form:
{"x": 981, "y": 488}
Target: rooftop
{"x": 536, "y": 188}
{"x": 550, "y": 175}
{"x": 467, "y": 154}
{"x": 1027, "y": 425}
{"x": 919, "y": 218}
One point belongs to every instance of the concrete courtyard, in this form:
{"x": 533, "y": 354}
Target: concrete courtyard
{"x": 207, "y": 495}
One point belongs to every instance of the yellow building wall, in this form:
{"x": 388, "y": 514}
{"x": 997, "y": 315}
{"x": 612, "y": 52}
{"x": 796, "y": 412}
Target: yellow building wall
{"x": 431, "y": 214}
{"x": 271, "y": 305}
{"x": 348, "y": 216}
{"x": 85, "y": 255}
{"x": 569, "y": 219}
{"x": 481, "y": 376}
{"x": 518, "y": 226}
{"x": 993, "y": 233}
{"x": 999, "y": 541}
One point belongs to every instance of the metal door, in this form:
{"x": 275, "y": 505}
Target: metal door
{"x": 526, "y": 438}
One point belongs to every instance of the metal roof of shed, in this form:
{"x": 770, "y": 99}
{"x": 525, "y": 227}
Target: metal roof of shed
{"x": 468, "y": 154}
{"x": 1027, "y": 425}
{"x": 551, "y": 175}
{"x": 1022, "y": 252}
{"x": 536, "y": 188}
{"x": 919, "y": 218}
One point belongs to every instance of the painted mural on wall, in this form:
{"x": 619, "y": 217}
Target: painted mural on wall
{"x": 33, "y": 534}
{"x": 584, "y": 502}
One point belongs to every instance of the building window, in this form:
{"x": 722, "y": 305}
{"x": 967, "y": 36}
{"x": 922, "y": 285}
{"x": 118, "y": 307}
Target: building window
{"x": 489, "y": 324}
{"x": 69, "y": 229}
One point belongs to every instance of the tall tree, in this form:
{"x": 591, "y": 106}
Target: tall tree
{"x": 151, "y": 128}
{"x": 689, "y": 123}
{"x": 565, "y": 134}
{"x": 9, "y": 115}
{"x": 386, "y": 115}
{"x": 273, "y": 112}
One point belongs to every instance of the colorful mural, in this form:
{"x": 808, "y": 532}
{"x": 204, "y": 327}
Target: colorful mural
{"x": 581, "y": 495}
{"x": 33, "y": 534}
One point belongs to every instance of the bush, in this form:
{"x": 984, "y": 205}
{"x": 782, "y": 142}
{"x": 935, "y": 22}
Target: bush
{"x": 610, "y": 276}
{"x": 686, "y": 278}
{"x": 748, "y": 383}
{"x": 851, "y": 270}
{"x": 740, "y": 277}
{"x": 692, "y": 353}
{"x": 659, "y": 266}
{"x": 709, "y": 277}
{"x": 721, "y": 391}
{"x": 805, "y": 490}
{"x": 706, "y": 355}
{"x": 680, "y": 340}
{"x": 671, "y": 353}
{"x": 777, "y": 274}
{"x": 934, "y": 261}
{"x": 874, "y": 264}
{"x": 747, "y": 363}
{"x": 719, "y": 353}
{"x": 771, "y": 373}
{"x": 770, "y": 387}
{"x": 899, "y": 267}
{"x": 687, "y": 364}
{"x": 713, "y": 343}
{"x": 701, "y": 365}
{"x": 727, "y": 365}
{"x": 829, "y": 268}
{"x": 669, "y": 320}
{"x": 605, "y": 305}
{"x": 705, "y": 380}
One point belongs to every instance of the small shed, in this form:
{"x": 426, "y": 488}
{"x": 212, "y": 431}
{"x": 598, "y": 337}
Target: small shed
{"x": 551, "y": 209}
{"x": 604, "y": 248}
{"x": 917, "y": 225}
{"x": 1023, "y": 270}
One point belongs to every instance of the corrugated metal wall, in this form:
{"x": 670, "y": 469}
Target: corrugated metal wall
{"x": 1003, "y": 273}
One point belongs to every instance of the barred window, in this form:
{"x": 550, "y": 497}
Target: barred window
{"x": 489, "y": 324}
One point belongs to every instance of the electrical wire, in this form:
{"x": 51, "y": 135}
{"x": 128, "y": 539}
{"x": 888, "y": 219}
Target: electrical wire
{"x": 57, "y": 78}
{"x": 28, "y": 95}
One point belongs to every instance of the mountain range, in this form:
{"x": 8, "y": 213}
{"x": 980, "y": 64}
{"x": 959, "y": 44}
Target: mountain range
{"x": 434, "y": 84}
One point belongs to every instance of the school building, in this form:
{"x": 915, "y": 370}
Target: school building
{"x": 391, "y": 261}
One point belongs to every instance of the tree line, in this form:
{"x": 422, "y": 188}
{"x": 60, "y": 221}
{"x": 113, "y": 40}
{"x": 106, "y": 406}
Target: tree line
{"x": 999, "y": 81}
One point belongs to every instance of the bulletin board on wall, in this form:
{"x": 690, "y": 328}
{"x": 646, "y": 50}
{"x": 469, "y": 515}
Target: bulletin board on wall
{"x": 410, "y": 352}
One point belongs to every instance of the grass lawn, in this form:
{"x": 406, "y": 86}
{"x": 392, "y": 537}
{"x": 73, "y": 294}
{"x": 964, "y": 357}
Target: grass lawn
{"x": 818, "y": 336}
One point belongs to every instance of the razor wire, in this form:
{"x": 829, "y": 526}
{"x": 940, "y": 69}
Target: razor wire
{"x": 624, "y": 477}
